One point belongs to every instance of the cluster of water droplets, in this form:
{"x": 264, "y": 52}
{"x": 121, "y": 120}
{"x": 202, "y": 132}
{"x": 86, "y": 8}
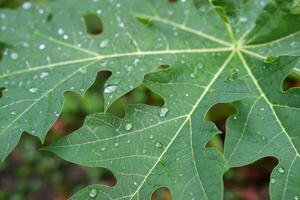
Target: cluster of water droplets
{"x": 163, "y": 112}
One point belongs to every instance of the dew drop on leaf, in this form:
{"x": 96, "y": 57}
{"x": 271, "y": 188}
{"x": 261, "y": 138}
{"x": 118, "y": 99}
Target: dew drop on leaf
{"x": 163, "y": 112}
{"x": 14, "y": 56}
{"x": 26, "y": 5}
{"x": 103, "y": 149}
{"x": 82, "y": 70}
{"x": 296, "y": 197}
{"x": 243, "y": 19}
{"x": 42, "y": 46}
{"x": 104, "y": 43}
{"x": 281, "y": 170}
{"x": 93, "y": 193}
{"x": 117, "y": 144}
{"x": 60, "y": 31}
{"x": 151, "y": 137}
{"x": 44, "y": 74}
{"x": 110, "y": 89}
{"x": 273, "y": 180}
{"x": 158, "y": 145}
{"x": 128, "y": 126}
{"x": 33, "y": 90}
{"x": 293, "y": 44}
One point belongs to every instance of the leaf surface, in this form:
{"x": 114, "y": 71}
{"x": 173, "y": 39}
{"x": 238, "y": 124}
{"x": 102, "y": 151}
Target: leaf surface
{"x": 213, "y": 57}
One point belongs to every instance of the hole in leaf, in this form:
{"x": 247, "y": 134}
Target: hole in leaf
{"x": 1, "y": 91}
{"x": 251, "y": 181}
{"x": 77, "y": 107}
{"x": 141, "y": 94}
{"x": 144, "y": 21}
{"x": 218, "y": 114}
{"x": 94, "y": 25}
{"x": 17, "y": 3}
{"x": 162, "y": 193}
{"x": 108, "y": 178}
{"x": 49, "y": 17}
{"x": 2, "y": 47}
{"x": 291, "y": 81}
{"x": 162, "y": 68}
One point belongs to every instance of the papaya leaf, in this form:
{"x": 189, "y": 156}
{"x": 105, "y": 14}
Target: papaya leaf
{"x": 216, "y": 55}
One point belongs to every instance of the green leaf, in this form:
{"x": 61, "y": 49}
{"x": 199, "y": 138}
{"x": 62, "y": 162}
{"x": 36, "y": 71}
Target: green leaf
{"x": 169, "y": 151}
{"x": 56, "y": 54}
{"x": 210, "y": 61}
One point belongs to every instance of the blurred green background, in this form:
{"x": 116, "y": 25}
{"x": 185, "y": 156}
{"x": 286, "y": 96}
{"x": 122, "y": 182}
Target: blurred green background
{"x": 31, "y": 174}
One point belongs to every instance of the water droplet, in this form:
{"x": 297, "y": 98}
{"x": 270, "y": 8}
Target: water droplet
{"x": 66, "y": 36}
{"x": 192, "y": 75}
{"x": 117, "y": 144}
{"x": 135, "y": 183}
{"x": 60, "y": 31}
{"x": 180, "y": 174}
{"x": 26, "y": 5}
{"x": 44, "y": 75}
{"x": 263, "y": 137}
{"x": 33, "y": 90}
{"x": 110, "y": 89}
{"x": 13, "y": 113}
{"x": 82, "y": 70}
{"x": 104, "y": 43}
{"x": 163, "y": 112}
{"x": 235, "y": 117}
{"x": 296, "y": 197}
{"x": 293, "y": 44}
{"x": 121, "y": 24}
{"x": 93, "y": 193}
{"x": 14, "y": 56}
{"x": 273, "y": 180}
{"x": 103, "y": 149}
{"x": 281, "y": 170}
{"x": 243, "y": 19}
{"x": 158, "y": 145}
{"x": 42, "y": 46}
{"x": 128, "y": 126}
{"x": 262, "y": 109}
{"x": 41, "y": 11}
{"x": 151, "y": 137}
